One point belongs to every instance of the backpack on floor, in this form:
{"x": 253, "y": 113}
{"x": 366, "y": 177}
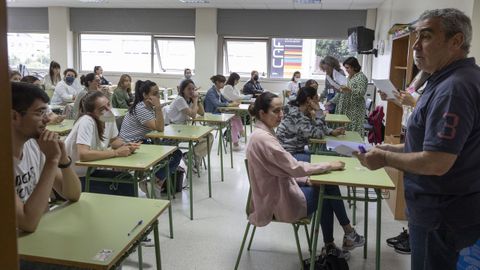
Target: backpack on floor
{"x": 329, "y": 262}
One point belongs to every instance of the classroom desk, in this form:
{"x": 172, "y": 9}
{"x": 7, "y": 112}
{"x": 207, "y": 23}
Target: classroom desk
{"x": 241, "y": 111}
{"x": 357, "y": 176}
{"x": 248, "y": 101}
{"x": 119, "y": 112}
{"x": 73, "y": 233}
{"x": 350, "y": 136}
{"x": 62, "y": 128}
{"x": 339, "y": 119}
{"x": 188, "y": 134}
{"x": 141, "y": 162}
{"x": 220, "y": 120}
{"x": 58, "y": 108}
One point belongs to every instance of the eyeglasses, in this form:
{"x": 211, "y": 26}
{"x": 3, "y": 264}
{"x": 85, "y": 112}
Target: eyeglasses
{"x": 40, "y": 113}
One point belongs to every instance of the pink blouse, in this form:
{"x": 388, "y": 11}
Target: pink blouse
{"x": 274, "y": 174}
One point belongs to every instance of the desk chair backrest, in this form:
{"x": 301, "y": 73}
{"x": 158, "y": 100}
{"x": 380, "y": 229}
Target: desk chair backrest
{"x": 249, "y": 197}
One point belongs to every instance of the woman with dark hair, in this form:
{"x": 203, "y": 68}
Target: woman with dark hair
{"x": 15, "y": 76}
{"x": 304, "y": 120}
{"x": 53, "y": 76}
{"x": 67, "y": 89}
{"x": 122, "y": 96}
{"x": 98, "y": 70}
{"x": 215, "y": 99}
{"x": 230, "y": 92}
{"x": 94, "y": 136}
{"x": 293, "y": 84}
{"x": 279, "y": 183}
{"x": 351, "y": 102}
{"x": 311, "y": 83}
{"x": 184, "y": 107}
{"x": 328, "y": 65}
{"x": 146, "y": 115}
{"x": 92, "y": 84}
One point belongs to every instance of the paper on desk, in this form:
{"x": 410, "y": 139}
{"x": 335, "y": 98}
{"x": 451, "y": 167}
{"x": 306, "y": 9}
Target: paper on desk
{"x": 386, "y": 86}
{"x": 345, "y": 148}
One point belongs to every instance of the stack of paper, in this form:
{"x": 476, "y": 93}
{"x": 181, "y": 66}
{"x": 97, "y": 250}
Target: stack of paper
{"x": 345, "y": 148}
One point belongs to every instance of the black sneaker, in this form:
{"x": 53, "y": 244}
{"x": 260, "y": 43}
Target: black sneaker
{"x": 403, "y": 247}
{"x": 397, "y": 239}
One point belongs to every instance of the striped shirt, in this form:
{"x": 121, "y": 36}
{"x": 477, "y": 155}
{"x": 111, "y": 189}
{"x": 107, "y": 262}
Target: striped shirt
{"x": 133, "y": 125}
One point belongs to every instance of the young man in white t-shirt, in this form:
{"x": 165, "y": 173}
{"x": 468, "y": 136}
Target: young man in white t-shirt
{"x": 40, "y": 160}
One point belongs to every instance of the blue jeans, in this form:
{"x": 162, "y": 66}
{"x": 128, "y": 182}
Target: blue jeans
{"x": 329, "y": 206}
{"x": 438, "y": 248}
{"x": 175, "y": 159}
{"x": 311, "y": 196}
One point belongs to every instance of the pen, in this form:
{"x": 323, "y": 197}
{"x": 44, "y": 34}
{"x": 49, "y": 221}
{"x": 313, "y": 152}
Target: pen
{"x": 136, "y": 226}
{"x": 362, "y": 149}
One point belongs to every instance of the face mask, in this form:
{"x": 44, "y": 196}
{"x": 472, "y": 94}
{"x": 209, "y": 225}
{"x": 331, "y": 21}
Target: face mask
{"x": 255, "y": 78}
{"x": 188, "y": 76}
{"x": 107, "y": 116}
{"x": 69, "y": 80}
{"x": 297, "y": 79}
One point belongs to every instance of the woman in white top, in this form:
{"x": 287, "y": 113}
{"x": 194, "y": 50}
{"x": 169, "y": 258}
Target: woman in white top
{"x": 53, "y": 77}
{"x": 184, "y": 107}
{"x": 230, "y": 92}
{"x": 292, "y": 86}
{"x": 67, "y": 89}
{"x": 94, "y": 136}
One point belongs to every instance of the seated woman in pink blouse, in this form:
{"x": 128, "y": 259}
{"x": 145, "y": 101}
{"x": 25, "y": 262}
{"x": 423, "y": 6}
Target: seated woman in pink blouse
{"x": 280, "y": 184}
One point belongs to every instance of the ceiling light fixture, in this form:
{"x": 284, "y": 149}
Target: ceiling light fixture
{"x": 307, "y": 2}
{"x": 94, "y": 1}
{"x": 195, "y": 1}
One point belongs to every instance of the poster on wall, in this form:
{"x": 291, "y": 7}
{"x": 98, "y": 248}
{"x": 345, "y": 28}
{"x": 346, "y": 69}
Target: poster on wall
{"x": 286, "y": 57}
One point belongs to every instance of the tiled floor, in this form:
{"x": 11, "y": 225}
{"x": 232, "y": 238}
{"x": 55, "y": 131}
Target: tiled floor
{"x": 212, "y": 240}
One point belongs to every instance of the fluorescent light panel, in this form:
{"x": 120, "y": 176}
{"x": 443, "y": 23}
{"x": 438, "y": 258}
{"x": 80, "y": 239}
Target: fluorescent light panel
{"x": 195, "y": 1}
{"x": 307, "y": 2}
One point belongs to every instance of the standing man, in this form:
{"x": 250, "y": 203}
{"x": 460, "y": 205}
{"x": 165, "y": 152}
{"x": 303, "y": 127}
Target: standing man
{"x": 253, "y": 87}
{"x": 442, "y": 146}
{"x": 40, "y": 160}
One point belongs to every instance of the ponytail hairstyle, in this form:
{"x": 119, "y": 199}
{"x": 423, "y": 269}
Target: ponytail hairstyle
{"x": 87, "y": 107}
{"x": 262, "y": 103}
{"x": 141, "y": 88}
{"x": 303, "y": 94}
{"x": 232, "y": 78}
{"x": 87, "y": 79}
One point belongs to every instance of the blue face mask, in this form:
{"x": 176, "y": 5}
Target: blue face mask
{"x": 69, "y": 80}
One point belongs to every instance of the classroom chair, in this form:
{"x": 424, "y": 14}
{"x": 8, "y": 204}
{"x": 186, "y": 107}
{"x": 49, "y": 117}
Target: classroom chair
{"x": 296, "y": 226}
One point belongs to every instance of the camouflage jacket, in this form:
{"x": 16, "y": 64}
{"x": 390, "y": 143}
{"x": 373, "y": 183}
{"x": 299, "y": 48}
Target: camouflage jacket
{"x": 296, "y": 129}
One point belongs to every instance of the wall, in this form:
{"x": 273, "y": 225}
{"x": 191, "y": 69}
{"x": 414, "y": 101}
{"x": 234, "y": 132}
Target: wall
{"x": 475, "y": 49}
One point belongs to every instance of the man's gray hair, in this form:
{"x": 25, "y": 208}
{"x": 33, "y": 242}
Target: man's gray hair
{"x": 453, "y": 21}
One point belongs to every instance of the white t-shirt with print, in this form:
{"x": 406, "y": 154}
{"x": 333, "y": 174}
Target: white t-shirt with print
{"x": 28, "y": 169}
{"x": 175, "y": 111}
{"x": 85, "y": 132}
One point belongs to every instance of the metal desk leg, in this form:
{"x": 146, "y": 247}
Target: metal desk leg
{"x": 90, "y": 170}
{"x": 169, "y": 197}
{"x": 379, "y": 225}
{"x": 140, "y": 257}
{"x": 190, "y": 150}
{"x": 209, "y": 171}
{"x": 245, "y": 126}
{"x": 316, "y": 228}
{"x": 220, "y": 145}
{"x": 365, "y": 227}
{"x": 231, "y": 151}
{"x": 157, "y": 246}
{"x": 354, "y": 189}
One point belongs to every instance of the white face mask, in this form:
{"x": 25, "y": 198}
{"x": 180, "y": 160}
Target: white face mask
{"x": 107, "y": 116}
{"x": 297, "y": 79}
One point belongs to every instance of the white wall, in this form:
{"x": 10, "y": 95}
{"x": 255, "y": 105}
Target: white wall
{"x": 61, "y": 38}
{"x": 475, "y": 49}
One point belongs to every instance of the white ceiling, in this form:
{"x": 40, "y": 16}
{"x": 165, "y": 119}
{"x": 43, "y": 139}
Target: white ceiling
{"x": 227, "y": 4}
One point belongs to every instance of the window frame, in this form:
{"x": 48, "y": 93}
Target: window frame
{"x": 225, "y": 68}
{"x": 153, "y": 37}
{"x": 35, "y": 71}
{"x": 157, "y": 51}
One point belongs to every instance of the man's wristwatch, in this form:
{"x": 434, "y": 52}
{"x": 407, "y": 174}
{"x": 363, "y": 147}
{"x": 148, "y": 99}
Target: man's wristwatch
{"x": 64, "y": 166}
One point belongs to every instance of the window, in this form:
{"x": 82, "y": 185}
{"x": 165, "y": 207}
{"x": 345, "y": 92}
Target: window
{"x": 31, "y": 50}
{"x": 290, "y": 54}
{"x": 243, "y": 56}
{"x": 174, "y": 55}
{"x": 121, "y": 53}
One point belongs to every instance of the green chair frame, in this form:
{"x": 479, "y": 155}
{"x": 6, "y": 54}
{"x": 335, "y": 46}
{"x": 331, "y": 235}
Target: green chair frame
{"x": 304, "y": 222}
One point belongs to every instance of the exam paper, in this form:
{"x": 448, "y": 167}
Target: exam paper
{"x": 345, "y": 148}
{"x": 339, "y": 77}
{"x": 386, "y": 86}
{"x": 332, "y": 82}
